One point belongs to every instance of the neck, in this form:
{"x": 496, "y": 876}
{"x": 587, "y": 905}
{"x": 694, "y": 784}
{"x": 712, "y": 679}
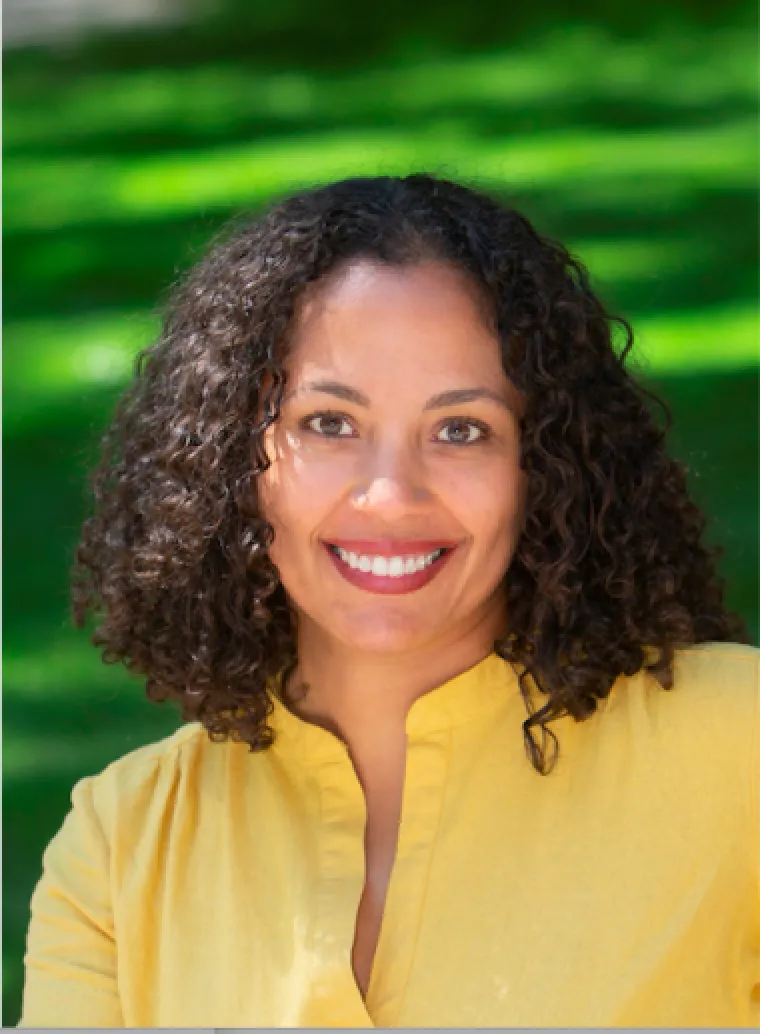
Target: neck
{"x": 364, "y": 698}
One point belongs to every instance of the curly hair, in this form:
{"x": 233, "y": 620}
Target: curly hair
{"x": 609, "y": 575}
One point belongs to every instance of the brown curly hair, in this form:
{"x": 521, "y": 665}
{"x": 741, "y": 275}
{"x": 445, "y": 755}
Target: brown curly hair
{"x": 609, "y": 575}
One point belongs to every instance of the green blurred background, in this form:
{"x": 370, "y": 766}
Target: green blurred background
{"x": 627, "y": 129}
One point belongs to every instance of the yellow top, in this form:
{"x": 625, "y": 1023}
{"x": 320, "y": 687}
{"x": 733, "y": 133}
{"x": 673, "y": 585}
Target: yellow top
{"x": 199, "y": 885}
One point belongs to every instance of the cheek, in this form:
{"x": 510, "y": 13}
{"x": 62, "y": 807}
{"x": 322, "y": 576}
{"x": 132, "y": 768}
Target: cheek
{"x": 299, "y": 489}
{"x": 489, "y": 503}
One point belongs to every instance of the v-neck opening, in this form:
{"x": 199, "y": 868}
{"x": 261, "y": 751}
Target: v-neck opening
{"x": 422, "y": 800}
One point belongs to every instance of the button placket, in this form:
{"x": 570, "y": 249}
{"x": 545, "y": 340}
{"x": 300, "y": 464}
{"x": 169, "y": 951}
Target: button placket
{"x": 341, "y": 880}
{"x": 424, "y": 784}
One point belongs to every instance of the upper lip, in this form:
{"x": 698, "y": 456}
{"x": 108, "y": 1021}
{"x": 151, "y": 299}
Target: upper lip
{"x": 391, "y": 547}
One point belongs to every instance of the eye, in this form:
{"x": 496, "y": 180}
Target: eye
{"x": 463, "y": 432}
{"x": 329, "y": 425}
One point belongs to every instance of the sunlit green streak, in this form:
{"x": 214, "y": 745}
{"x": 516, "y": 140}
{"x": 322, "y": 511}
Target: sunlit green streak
{"x": 698, "y": 340}
{"x": 578, "y": 64}
{"x": 59, "y": 667}
{"x": 66, "y": 668}
{"x": 665, "y": 162}
{"x": 53, "y": 355}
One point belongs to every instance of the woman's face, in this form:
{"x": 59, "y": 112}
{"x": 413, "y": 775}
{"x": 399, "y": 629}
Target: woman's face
{"x": 397, "y": 439}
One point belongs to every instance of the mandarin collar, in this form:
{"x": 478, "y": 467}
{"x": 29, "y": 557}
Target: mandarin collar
{"x": 474, "y": 693}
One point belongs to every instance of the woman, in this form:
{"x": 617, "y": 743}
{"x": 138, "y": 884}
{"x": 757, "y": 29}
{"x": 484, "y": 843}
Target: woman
{"x": 381, "y": 506}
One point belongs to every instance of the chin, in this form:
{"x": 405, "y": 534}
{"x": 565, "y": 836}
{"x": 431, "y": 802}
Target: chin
{"x": 383, "y": 633}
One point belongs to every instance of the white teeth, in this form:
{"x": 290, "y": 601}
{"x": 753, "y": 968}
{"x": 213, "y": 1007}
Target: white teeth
{"x": 387, "y": 567}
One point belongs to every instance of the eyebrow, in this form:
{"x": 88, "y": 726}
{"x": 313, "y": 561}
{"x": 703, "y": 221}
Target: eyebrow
{"x": 445, "y": 398}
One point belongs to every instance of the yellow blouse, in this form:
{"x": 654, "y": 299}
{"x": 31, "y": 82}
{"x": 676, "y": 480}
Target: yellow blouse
{"x": 197, "y": 884}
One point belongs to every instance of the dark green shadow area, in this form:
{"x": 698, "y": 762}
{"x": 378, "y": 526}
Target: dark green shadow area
{"x": 115, "y": 152}
{"x": 330, "y": 37}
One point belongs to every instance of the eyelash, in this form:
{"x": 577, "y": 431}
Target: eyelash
{"x": 485, "y": 431}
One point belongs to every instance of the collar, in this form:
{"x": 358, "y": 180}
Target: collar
{"x": 479, "y": 691}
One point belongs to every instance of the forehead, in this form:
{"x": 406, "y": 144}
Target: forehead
{"x": 424, "y": 320}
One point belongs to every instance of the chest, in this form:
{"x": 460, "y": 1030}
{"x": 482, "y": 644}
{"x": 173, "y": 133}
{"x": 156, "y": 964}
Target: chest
{"x": 484, "y": 863}
{"x": 383, "y": 798}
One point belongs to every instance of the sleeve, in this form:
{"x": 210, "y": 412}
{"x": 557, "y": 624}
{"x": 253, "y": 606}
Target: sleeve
{"x": 70, "y": 961}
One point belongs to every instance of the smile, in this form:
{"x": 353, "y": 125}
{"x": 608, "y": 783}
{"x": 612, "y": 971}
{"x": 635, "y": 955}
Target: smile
{"x": 395, "y": 573}
{"x": 387, "y": 567}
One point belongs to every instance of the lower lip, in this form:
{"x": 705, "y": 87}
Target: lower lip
{"x": 384, "y": 584}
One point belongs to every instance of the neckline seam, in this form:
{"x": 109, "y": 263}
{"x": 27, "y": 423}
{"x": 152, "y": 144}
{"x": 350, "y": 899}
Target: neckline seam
{"x": 334, "y": 749}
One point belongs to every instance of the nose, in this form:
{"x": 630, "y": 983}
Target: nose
{"x": 390, "y": 481}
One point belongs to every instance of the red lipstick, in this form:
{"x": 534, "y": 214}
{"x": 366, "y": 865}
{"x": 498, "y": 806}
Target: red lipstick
{"x": 388, "y": 584}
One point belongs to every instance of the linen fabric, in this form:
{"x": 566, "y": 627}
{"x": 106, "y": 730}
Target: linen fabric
{"x": 198, "y": 884}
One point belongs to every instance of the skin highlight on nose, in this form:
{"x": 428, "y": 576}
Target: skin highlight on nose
{"x": 380, "y": 492}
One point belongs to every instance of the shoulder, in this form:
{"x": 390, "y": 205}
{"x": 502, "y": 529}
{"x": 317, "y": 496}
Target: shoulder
{"x": 713, "y": 664}
{"x": 149, "y": 777}
{"x": 707, "y": 677}
{"x": 714, "y": 678}
{"x": 687, "y": 756}
{"x": 167, "y": 751}
{"x": 708, "y": 720}
{"x": 114, "y": 809}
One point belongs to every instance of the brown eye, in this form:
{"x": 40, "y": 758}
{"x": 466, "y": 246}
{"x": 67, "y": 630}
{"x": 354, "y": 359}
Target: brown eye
{"x": 462, "y": 432}
{"x": 329, "y": 425}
